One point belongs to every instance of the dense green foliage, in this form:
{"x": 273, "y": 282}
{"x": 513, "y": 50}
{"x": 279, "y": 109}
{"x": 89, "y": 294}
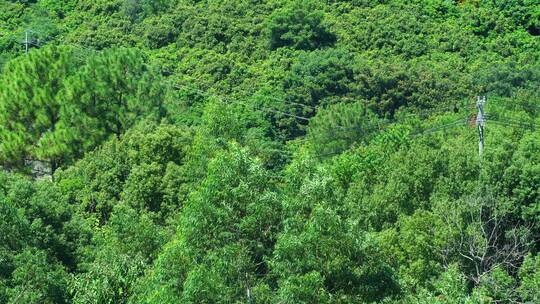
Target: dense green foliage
{"x": 269, "y": 151}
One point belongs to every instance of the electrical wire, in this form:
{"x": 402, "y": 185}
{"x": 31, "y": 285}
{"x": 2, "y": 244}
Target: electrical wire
{"x": 497, "y": 102}
{"x": 511, "y": 120}
{"x": 514, "y": 124}
{"x": 48, "y": 38}
{"x": 275, "y": 111}
{"x": 428, "y": 112}
{"x": 280, "y": 112}
{"x": 341, "y": 128}
{"x": 286, "y": 101}
{"x": 439, "y": 128}
{"x": 264, "y": 109}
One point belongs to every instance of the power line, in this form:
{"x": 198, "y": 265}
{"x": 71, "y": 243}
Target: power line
{"x": 428, "y": 112}
{"x": 425, "y": 132}
{"x": 461, "y": 121}
{"x": 279, "y": 112}
{"x": 514, "y": 124}
{"x": 511, "y": 119}
{"x": 356, "y": 127}
{"x": 286, "y": 101}
{"x": 275, "y": 111}
{"x": 480, "y": 121}
{"x": 441, "y": 127}
{"x": 497, "y": 102}
{"x": 264, "y": 109}
{"x": 385, "y": 122}
{"x": 48, "y": 38}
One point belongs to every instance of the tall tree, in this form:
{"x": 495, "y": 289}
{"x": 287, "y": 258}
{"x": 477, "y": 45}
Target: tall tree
{"x": 30, "y": 114}
{"x": 54, "y": 112}
{"x": 109, "y": 93}
{"x": 226, "y": 234}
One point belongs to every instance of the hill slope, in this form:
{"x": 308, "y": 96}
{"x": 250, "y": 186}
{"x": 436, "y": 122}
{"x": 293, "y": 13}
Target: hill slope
{"x": 269, "y": 151}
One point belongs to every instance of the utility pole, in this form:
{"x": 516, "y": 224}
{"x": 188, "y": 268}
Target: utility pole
{"x": 480, "y": 123}
{"x": 26, "y": 40}
{"x": 248, "y": 290}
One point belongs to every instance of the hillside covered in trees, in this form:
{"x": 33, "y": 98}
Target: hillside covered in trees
{"x": 279, "y": 151}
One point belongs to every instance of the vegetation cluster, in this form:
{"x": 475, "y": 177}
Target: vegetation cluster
{"x": 299, "y": 151}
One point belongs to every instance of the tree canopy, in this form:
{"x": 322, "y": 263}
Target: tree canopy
{"x": 269, "y": 151}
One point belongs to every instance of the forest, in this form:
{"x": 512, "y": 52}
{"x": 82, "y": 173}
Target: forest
{"x": 269, "y": 151}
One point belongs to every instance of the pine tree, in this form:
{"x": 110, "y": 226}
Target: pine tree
{"x": 30, "y": 113}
